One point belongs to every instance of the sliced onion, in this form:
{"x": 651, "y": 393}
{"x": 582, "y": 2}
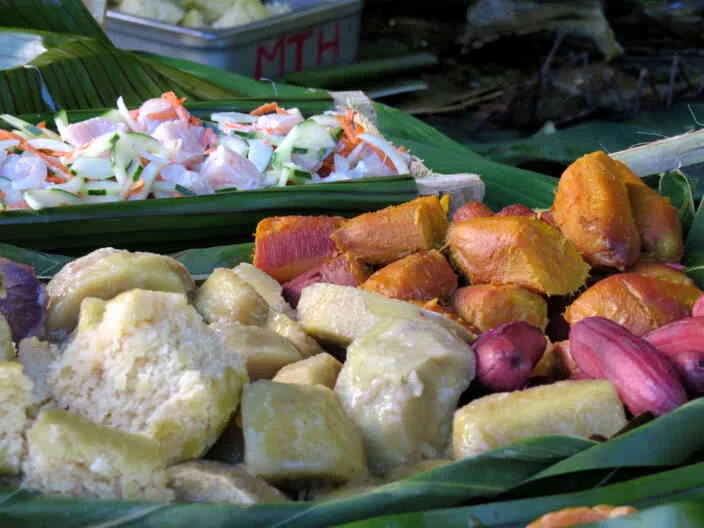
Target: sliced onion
{"x": 388, "y": 150}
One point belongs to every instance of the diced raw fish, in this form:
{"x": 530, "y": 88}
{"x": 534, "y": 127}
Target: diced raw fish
{"x": 182, "y": 139}
{"x": 83, "y": 132}
{"x": 25, "y": 171}
{"x": 279, "y": 124}
{"x": 224, "y": 168}
{"x": 153, "y": 112}
{"x": 179, "y": 175}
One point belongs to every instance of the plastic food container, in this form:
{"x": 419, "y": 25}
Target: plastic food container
{"x": 312, "y": 35}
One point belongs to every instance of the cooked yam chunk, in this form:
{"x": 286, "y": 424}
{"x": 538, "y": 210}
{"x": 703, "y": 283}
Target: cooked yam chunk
{"x": 38, "y": 357}
{"x": 105, "y": 273}
{"x": 398, "y": 230}
{"x": 286, "y": 246}
{"x": 263, "y": 350}
{"x": 7, "y": 346}
{"x": 575, "y": 408}
{"x": 69, "y": 455}
{"x": 15, "y": 399}
{"x": 297, "y": 432}
{"x": 266, "y": 286}
{"x": 292, "y": 330}
{"x": 321, "y": 369}
{"x": 340, "y": 314}
{"x": 401, "y": 383}
{"x": 152, "y": 366}
{"x": 421, "y": 276}
{"x": 225, "y": 296}
{"x": 209, "y": 481}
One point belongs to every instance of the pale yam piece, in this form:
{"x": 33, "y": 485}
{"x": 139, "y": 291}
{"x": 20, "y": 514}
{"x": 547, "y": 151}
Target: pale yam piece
{"x": 224, "y": 296}
{"x": 321, "y": 369}
{"x": 292, "y": 330}
{"x": 574, "y": 408}
{"x": 340, "y": 314}
{"x": 152, "y": 366}
{"x": 69, "y": 455}
{"x": 38, "y": 357}
{"x": 104, "y": 273}
{"x": 215, "y": 482}
{"x": 15, "y": 399}
{"x": 263, "y": 350}
{"x": 7, "y": 345}
{"x": 266, "y": 286}
{"x": 299, "y": 432}
{"x": 401, "y": 383}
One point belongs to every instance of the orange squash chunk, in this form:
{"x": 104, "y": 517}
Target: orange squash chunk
{"x": 592, "y": 208}
{"x": 662, "y": 271}
{"x": 389, "y": 234}
{"x": 486, "y": 306}
{"x": 420, "y": 276}
{"x": 517, "y": 250}
{"x": 286, "y": 246}
{"x": 580, "y": 515}
{"x": 637, "y": 302}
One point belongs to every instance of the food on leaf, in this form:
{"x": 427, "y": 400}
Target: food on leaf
{"x": 37, "y": 358}
{"x": 343, "y": 270}
{"x": 321, "y": 369}
{"x": 667, "y": 272}
{"x": 266, "y": 286}
{"x": 383, "y": 236}
{"x": 7, "y": 345}
{"x": 401, "y": 383}
{"x": 580, "y": 515}
{"x": 657, "y": 220}
{"x": 340, "y": 314}
{"x": 638, "y": 302}
{"x": 224, "y": 296}
{"x": 210, "y": 481}
{"x": 104, "y": 273}
{"x": 294, "y": 431}
{"x": 574, "y": 408}
{"x": 263, "y": 350}
{"x": 420, "y": 276}
{"x": 682, "y": 342}
{"x": 557, "y": 363}
{"x": 293, "y": 331}
{"x": 592, "y": 208}
{"x": 22, "y": 299}
{"x": 507, "y": 354}
{"x": 69, "y": 455}
{"x": 473, "y": 209}
{"x": 286, "y": 246}
{"x": 643, "y": 376}
{"x": 151, "y": 365}
{"x": 486, "y": 306}
{"x": 517, "y": 250}
{"x": 517, "y": 210}
{"x": 15, "y": 399}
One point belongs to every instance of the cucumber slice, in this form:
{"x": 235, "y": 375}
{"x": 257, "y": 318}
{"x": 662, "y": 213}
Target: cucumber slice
{"x": 260, "y": 154}
{"x": 74, "y": 185}
{"x": 233, "y": 117}
{"x": 309, "y": 135}
{"x": 50, "y": 144}
{"x": 113, "y": 115}
{"x": 93, "y": 168}
{"x": 235, "y": 144}
{"x": 46, "y": 198}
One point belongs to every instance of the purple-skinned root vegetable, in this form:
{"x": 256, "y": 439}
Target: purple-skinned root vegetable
{"x": 682, "y": 341}
{"x": 507, "y": 354}
{"x": 698, "y": 308}
{"x": 22, "y": 299}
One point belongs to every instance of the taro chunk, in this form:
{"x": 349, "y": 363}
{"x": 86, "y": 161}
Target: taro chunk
{"x": 15, "y": 399}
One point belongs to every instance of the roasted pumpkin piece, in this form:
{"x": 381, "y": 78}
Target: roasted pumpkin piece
{"x": 667, "y": 272}
{"x": 391, "y": 233}
{"x": 637, "y": 302}
{"x": 286, "y": 246}
{"x": 592, "y": 208}
{"x": 656, "y": 218}
{"x": 343, "y": 269}
{"x": 517, "y": 250}
{"x": 471, "y": 210}
{"x": 421, "y": 276}
{"x": 580, "y": 515}
{"x": 486, "y": 306}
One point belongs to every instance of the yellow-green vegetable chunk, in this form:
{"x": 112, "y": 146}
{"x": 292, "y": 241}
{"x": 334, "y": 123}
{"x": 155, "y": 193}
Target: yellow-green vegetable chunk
{"x": 226, "y": 297}
{"x": 15, "y": 399}
{"x": 321, "y": 369}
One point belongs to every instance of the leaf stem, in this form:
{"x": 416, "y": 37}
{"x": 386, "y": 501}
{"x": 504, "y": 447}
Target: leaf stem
{"x": 665, "y": 154}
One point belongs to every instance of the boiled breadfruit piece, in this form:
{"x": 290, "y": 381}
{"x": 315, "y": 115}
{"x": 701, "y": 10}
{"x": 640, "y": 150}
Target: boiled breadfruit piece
{"x": 15, "y": 399}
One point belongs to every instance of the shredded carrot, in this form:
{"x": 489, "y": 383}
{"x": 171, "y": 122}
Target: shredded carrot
{"x": 134, "y": 114}
{"x": 163, "y": 116}
{"x": 268, "y": 108}
{"x": 53, "y": 164}
{"x": 41, "y": 124}
{"x": 383, "y": 156}
{"x": 328, "y": 165}
{"x": 208, "y": 137}
{"x": 135, "y": 188}
{"x": 171, "y": 98}
{"x": 236, "y": 126}
{"x": 51, "y": 178}
{"x": 177, "y": 109}
{"x": 193, "y": 120}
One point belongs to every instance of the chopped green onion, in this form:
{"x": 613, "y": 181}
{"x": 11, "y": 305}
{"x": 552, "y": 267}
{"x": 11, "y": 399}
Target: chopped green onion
{"x": 97, "y": 192}
{"x": 137, "y": 173}
{"x": 299, "y": 150}
{"x": 184, "y": 190}
{"x": 227, "y": 189}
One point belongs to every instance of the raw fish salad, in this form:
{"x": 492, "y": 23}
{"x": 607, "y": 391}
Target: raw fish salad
{"x": 161, "y": 151}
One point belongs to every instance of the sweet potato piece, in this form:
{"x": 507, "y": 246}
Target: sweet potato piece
{"x": 486, "y": 306}
{"x": 592, "y": 208}
{"x": 434, "y": 305}
{"x": 286, "y": 246}
{"x": 471, "y": 210}
{"x": 342, "y": 269}
{"x": 656, "y": 218}
{"x": 637, "y": 302}
{"x": 517, "y": 210}
{"x": 517, "y": 250}
{"x": 391, "y": 233}
{"x": 420, "y": 276}
{"x": 557, "y": 363}
{"x": 666, "y": 272}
